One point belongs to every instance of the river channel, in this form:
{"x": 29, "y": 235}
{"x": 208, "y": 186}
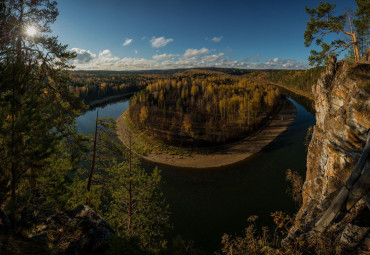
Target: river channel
{"x": 205, "y": 203}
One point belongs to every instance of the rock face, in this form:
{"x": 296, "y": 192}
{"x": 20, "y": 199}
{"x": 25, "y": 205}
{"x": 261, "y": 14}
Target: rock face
{"x": 81, "y": 231}
{"x": 342, "y": 103}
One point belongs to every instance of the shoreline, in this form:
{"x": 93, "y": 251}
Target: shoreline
{"x": 97, "y": 102}
{"x": 230, "y": 153}
{"x": 295, "y": 91}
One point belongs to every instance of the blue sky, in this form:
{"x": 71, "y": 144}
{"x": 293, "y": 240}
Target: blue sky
{"x": 165, "y": 34}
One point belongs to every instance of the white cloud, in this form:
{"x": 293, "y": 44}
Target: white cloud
{"x": 196, "y": 53}
{"x": 105, "y": 54}
{"x": 217, "y": 39}
{"x": 213, "y": 58}
{"x": 193, "y": 61}
{"x": 277, "y": 63}
{"x": 86, "y": 60}
{"x": 136, "y": 63}
{"x": 160, "y": 41}
{"x": 128, "y": 41}
{"x": 83, "y": 56}
{"x": 136, "y": 52}
{"x": 164, "y": 56}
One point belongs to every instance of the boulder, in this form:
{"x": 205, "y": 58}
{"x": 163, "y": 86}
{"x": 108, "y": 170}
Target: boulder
{"x": 77, "y": 232}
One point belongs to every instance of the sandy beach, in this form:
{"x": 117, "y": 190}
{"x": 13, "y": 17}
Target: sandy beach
{"x": 223, "y": 155}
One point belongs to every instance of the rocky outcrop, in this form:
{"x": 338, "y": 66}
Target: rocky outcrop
{"x": 81, "y": 231}
{"x": 342, "y": 103}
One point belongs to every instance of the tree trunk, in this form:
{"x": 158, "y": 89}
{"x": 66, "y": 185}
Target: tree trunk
{"x": 15, "y": 87}
{"x": 355, "y": 46}
{"x": 355, "y": 187}
{"x": 130, "y": 196}
{"x": 94, "y": 154}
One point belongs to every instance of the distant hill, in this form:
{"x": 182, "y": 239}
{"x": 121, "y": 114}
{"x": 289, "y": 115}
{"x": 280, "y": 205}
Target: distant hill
{"x": 96, "y": 85}
{"x": 231, "y": 71}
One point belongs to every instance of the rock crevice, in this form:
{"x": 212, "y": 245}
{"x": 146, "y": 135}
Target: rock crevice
{"x": 342, "y": 104}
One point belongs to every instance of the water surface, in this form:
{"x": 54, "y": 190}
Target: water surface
{"x": 205, "y": 203}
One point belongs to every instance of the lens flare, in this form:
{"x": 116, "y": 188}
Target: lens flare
{"x": 31, "y": 31}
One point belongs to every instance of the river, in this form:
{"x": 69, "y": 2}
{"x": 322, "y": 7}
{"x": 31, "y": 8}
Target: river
{"x": 205, "y": 203}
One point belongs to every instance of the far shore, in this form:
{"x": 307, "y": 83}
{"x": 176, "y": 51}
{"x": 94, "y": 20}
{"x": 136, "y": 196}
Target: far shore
{"x": 295, "y": 91}
{"x": 107, "y": 99}
{"x": 227, "y": 154}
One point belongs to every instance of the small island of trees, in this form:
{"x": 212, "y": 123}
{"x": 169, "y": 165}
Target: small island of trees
{"x": 203, "y": 110}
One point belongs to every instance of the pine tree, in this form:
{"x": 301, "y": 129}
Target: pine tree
{"x": 362, "y": 25}
{"x": 322, "y": 22}
{"x": 127, "y": 196}
{"x": 36, "y": 108}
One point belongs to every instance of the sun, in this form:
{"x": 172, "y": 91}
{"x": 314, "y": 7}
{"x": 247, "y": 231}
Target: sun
{"x": 31, "y": 31}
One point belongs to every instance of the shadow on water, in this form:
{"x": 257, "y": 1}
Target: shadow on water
{"x": 109, "y": 100}
{"x": 205, "y": 203}
{"x": 307, "y": 103}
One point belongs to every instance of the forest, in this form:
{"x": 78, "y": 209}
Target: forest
{"x": 56, "y": 184}
{"x": 299, "y": 80}
{"x": 94, "y": 85}
{"x": 62, "y": 192}
{"x": 90, "y": 86}
{"x": 203, "y": 110}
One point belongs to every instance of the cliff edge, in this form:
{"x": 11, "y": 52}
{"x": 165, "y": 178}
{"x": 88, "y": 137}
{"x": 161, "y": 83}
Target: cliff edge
{"x": 342, "y": 104}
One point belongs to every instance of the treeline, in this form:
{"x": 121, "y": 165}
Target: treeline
{"x": 299, "y": 80}
{"x": 91, "y": 86}
{"x": 48, "y": 169}
{"x": 187, "y": 111}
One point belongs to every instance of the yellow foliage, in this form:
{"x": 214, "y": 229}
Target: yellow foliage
{"x": 143, "y": 114}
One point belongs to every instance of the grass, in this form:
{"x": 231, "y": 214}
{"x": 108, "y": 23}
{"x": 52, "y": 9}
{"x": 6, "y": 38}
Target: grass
{"x": 146, "y": 144}
{"x": 360, "y": 72}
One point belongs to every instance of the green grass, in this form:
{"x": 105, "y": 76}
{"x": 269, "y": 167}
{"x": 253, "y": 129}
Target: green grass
{"x": 148, "y": 145}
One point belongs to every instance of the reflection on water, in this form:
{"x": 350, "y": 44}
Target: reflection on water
{"x": 304, "y": 101}
{"x": 205, "y": 203}
{"x": 86, "y": 122}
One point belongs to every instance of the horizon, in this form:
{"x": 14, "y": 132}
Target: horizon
{"x": 208, "y": 68}
{"x": 143, "y": 35}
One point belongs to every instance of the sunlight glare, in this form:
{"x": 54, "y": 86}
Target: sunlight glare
{"x": 31, "y": 31}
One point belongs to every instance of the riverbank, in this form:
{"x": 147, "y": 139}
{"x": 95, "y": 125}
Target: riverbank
{"x": 295, "y": 91}
{"x": 98, "y": 102}
{"x": 221, "y": 155}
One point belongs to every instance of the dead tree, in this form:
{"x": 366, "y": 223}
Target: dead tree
{"x": 94, "y": 153}
{"x": 356, "y": 187}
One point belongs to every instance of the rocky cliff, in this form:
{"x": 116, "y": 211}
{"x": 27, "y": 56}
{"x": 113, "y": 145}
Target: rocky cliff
{"x": 77, "y": 232}
{"x": 342, "y": 103}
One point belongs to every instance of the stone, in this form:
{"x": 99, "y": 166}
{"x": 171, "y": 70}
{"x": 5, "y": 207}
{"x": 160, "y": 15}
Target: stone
{"x": 352, "y": 235}
{"x": 342, "y": 121}
{"x": 81, "y": 231}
